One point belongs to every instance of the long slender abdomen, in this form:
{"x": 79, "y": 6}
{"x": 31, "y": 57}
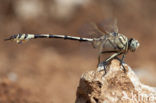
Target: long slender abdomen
{"x": 21, "y": 37}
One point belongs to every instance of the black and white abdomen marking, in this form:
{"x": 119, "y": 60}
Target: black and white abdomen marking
{"x": 22, "y": 37}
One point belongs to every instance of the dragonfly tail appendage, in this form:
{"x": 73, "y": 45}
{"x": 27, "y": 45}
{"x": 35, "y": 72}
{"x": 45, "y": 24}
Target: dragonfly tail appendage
{"x": 19, "y": 38}
{"x": 10, "y": 38}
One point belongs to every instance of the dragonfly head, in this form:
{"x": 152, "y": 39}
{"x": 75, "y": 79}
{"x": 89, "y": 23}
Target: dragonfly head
{"x": 133, "y": 44}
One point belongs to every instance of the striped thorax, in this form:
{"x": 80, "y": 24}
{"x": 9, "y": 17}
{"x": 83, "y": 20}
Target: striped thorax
{"x": 121, "y": 42}
{"x": 118, "y": 43}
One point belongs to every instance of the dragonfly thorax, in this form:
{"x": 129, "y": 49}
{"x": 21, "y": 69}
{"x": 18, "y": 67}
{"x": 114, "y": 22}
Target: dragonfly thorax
{"x": 121, "y": 42}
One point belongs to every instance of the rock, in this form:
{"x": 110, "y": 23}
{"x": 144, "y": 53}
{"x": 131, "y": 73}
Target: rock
{"x": 115, "y": 86}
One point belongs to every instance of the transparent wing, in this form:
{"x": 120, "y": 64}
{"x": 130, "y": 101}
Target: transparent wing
{"x": 90, "y": 30}
{"x": 95, "y": 30}
{"x": 108, "y": 26}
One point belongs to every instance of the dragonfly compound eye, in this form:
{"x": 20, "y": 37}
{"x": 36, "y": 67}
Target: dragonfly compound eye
{"x": 134, "y": 44}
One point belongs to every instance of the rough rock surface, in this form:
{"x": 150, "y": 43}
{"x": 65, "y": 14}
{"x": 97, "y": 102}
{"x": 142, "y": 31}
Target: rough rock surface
{"x": 114, "y": 87}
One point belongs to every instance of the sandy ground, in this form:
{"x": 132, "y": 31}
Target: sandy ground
{"x": 48, "y": 71}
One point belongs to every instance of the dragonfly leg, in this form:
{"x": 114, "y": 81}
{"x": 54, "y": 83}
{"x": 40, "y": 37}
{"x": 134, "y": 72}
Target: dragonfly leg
{"x": 103, "y": 66}
{"x": 108, "y": 60}
{"x": 112, "y": 57}
{"x": 98, "y": 60}
{"x": 103, "y": 52}
{"x": 108, "y": 52}
{"x": 122, "y": 61}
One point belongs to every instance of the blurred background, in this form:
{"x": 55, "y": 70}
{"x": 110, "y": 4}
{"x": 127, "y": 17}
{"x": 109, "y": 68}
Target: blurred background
{"x": 48, "y": 70}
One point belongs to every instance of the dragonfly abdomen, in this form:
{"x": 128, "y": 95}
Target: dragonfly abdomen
{"x": 21, "y": 37}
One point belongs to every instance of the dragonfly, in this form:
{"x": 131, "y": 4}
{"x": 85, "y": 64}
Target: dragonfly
{"x": 103, "y": 36}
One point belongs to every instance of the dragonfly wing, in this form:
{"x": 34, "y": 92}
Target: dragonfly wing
{"x": 96, "y": 30}
{"x": 115, "y": 26}
{"x": 90, "y": 30}
{"x": 108, "y": 26}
